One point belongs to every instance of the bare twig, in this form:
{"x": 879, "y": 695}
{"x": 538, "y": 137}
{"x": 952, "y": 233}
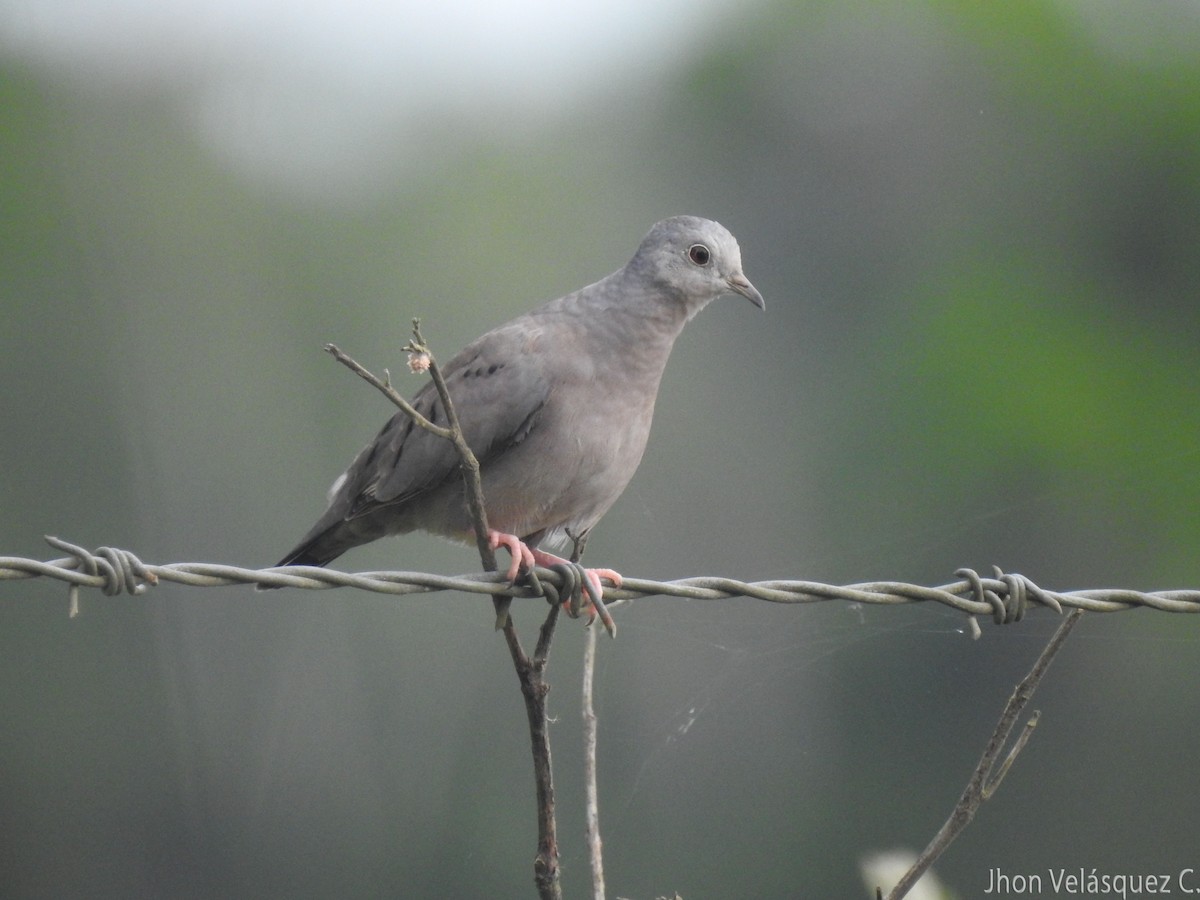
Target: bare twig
{"x": 530, "y": 672}
{"x": 986, "y": 777}
{"x": 453, "y": 433}
{"x": 470, "y": 467}
{"x": 531, "y": 675}
{"x": 388, "y": 391}
{"x": 592, "y": 795}
{"x": 595, "y": 845}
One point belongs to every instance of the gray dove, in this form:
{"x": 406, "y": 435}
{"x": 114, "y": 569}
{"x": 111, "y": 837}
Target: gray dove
{"x": 555, "y": 404}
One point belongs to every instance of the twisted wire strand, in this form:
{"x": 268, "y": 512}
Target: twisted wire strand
{"x": 1005, "y": 597}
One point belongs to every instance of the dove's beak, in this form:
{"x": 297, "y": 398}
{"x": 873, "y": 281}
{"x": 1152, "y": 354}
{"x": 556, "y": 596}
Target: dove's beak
{"x": 739, "y": 284}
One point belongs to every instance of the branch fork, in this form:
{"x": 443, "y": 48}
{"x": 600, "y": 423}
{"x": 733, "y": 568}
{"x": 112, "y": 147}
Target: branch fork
{"x": 530, "y": 672}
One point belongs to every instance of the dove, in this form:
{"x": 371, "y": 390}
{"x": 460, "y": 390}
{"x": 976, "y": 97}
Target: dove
{"x": 556, "y": 405}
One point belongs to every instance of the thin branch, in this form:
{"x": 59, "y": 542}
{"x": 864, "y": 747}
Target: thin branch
{"x": 591, "y": 792}
{"x": 530, "y": 673}
{"x": 470, "y": 465}
{"x": 453, "y": 433}
{"x": 388, "y": 391}
{"x": 592, "y": 796}
{"x": 986, "y": 777}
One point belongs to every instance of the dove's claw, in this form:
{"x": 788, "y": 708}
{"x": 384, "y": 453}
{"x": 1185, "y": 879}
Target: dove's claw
{"x": 522, "y": 556}
{"x": 576, "y": 581}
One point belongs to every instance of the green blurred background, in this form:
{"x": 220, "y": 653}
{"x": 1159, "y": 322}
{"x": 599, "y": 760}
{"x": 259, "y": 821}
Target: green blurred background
{"x": 976, "y": 226}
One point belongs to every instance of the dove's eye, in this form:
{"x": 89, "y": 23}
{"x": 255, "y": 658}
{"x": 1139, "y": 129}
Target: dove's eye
{"x": 699, "y": 254}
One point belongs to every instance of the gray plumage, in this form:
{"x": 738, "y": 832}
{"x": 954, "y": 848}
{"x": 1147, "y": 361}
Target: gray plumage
{"x": 556, "y": 405}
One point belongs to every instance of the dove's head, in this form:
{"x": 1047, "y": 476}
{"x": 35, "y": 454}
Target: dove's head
{"x": 696, "y": 259}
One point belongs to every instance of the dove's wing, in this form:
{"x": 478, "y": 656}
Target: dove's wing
{"x": 498, "y": 385}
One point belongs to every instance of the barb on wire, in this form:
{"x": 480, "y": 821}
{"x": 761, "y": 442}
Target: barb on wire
{"x": 1004, "y": 597}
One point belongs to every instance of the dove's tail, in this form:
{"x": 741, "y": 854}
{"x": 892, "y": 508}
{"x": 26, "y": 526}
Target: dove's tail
{"x": 320, "y": 550}
{"x": 330, "y": 539}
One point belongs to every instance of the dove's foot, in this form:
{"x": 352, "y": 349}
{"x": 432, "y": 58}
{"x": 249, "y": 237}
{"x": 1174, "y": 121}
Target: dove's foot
{"x": 580, "y": 582}
{"x": 549, "y": 561}
{"x": 522, "y": 556}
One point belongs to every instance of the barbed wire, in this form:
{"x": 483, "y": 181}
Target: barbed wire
{"x": 1005, "y": 597}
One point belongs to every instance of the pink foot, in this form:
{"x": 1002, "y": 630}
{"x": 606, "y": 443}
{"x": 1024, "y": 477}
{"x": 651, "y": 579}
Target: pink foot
{"x": 524, "y": 559}
{"x": 522, "y": 556}
{"x": 542, "y": 558}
